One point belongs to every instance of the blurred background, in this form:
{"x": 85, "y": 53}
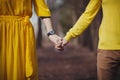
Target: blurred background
{"x": 78, "y": 60}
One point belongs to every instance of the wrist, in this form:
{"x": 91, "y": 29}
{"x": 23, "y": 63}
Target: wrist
{"x": 50, "y": 33}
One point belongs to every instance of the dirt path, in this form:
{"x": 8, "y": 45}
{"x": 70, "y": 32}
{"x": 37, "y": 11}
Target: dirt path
{"x": 71, "y": 64}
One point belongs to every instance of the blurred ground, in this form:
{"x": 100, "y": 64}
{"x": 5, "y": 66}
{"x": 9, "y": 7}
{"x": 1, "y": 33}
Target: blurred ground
{"x": 70, "y": 64}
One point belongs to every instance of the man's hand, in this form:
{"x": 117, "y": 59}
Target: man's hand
{"x": 64, "y": 42}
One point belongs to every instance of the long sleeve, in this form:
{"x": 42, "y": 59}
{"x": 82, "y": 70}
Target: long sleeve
{"x": 41, "y": 8}
{"x": 85, "y": 19}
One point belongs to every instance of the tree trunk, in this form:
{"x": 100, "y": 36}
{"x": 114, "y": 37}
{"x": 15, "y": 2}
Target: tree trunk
{"x": 39, "y": 36}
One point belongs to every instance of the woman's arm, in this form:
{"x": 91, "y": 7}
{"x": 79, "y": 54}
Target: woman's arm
{"x": 43, "y": 11}
{"x": 52, "y": 36}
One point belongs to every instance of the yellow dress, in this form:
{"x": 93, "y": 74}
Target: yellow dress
{"x": 17, "y": 42}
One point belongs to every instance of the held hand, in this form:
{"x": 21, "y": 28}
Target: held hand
{"x": 57, "y": 41}
{"x": 61, "y": 46}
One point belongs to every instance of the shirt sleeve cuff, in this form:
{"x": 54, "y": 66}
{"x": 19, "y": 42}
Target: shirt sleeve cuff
{"x": 67, "y": 38}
